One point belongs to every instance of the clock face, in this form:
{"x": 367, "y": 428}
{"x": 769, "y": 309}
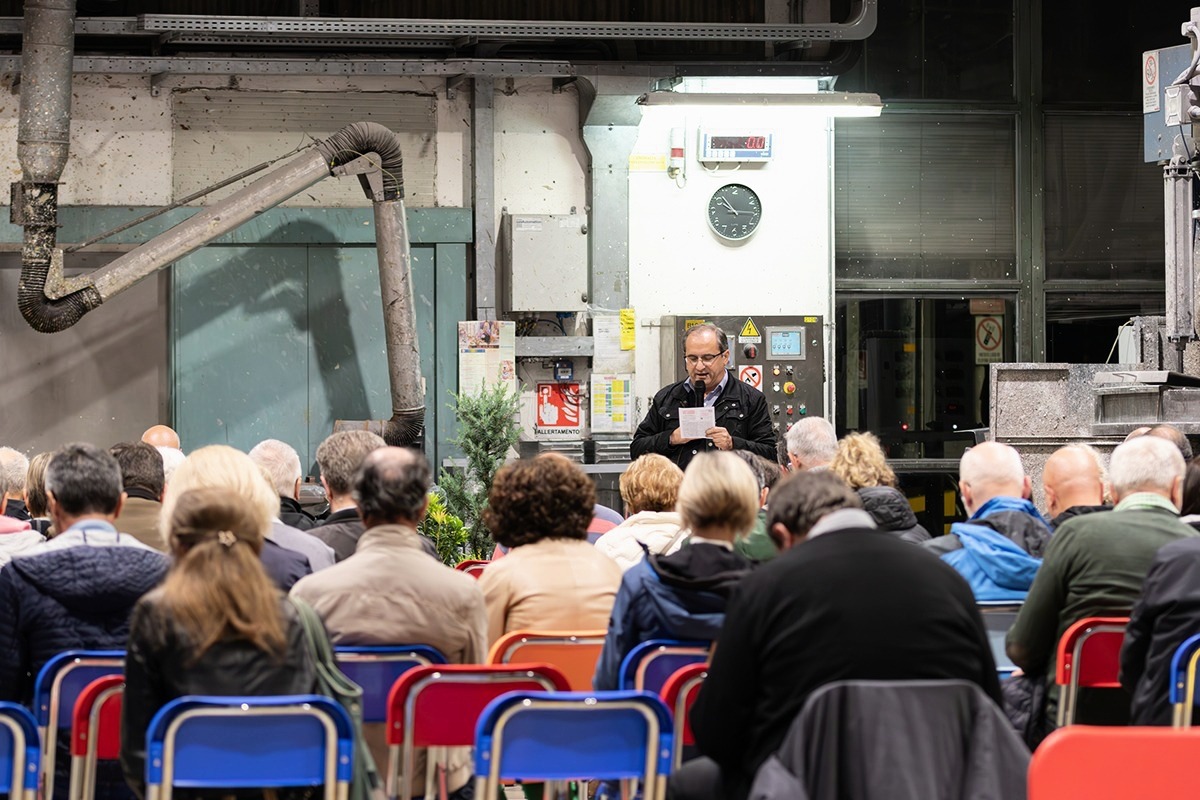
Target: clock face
{"x": 734, "y": 212}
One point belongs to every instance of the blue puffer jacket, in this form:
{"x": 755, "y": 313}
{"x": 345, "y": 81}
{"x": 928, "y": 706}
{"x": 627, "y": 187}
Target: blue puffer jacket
{"x": 680, "y": 596}
{"x": 998, "y": 550}
{"x": 75, "y": 598}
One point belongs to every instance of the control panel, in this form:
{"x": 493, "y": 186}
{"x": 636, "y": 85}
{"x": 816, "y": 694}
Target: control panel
{"x": 781, "y": 356}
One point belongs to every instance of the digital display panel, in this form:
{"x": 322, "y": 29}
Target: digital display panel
{"x": 785, "y": 343}
{"x": 738, "y": 142}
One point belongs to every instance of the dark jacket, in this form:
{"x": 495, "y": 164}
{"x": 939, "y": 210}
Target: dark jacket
{"x": 1163, "y": 618}
{"x": 998, "y": 550}
{"x": 283, "y": 566}
{"x": 851, "y": 604}
{"x": 848, "y": 741}
{"x": 75, "y": 598}
{"x": 292, "y": 514}
{"x": 892, "y": 513}
{"x": 16, "y": 509}
{"x": 159, "y": 668}
{"x": 741, "y": 410}
{"x": 1075, "y": 511}
{"x": 680, "y": 596}
{"x": 341, "y": 531}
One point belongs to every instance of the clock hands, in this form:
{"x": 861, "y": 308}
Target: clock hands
{"x": 729, "y": 205}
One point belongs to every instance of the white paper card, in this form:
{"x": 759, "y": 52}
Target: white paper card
{"x": 693, "y": 422}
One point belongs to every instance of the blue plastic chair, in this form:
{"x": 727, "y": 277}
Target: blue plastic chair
{"x": 20, "y": 752}
{"x": 1182, "y": 693}
{"x": 376, "y": 668}
{"x": 563, "y": 736}
{"x": 58, "y": 685}
{"x": 197, "y": 742}
{"x": 648, "y": 665}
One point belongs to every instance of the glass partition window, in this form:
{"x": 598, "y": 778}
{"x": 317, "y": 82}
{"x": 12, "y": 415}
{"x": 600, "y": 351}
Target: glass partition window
{"x": 930, "y": 196}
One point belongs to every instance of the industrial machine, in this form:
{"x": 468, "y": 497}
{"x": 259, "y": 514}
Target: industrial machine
{"x": 781, "y": 356}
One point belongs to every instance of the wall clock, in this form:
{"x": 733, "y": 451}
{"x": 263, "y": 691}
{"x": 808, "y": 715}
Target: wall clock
{"x": 734, "y": 212}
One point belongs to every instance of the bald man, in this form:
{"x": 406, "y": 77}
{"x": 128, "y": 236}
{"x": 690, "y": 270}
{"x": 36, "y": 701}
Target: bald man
{"x": 999, "y": 548}
{"x": 1073, "y": 483}
{"x": 161, "y": 436}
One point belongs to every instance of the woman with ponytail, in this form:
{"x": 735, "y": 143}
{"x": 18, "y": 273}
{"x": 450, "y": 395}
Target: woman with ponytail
{"x": 217, "y": 625}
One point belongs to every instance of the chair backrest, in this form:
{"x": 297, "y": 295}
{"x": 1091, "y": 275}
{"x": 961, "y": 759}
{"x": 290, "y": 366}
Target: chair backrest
{"x": 20, "y": 752}
{"x": 58, "y": 685}
{"x": 648, "y": 665}
{"x": 1086, "y": 762}
{"x": 679, "y": 693}
{"x": 95, "y": 732}
{"x": 199, "y": 742}
{"x": 575, "y": 653}
{"x": 376, "y": 668}
{"x": 439, "y": 706}
{"x": 472, "y": 567}
{"x": 560, "y": 736}
{"x": 1088, "y": 655}
{"x": 1182, "y": 692}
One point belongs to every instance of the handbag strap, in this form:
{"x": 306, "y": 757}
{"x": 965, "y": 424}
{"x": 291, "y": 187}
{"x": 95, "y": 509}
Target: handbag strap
{"x": 322, "y": 655}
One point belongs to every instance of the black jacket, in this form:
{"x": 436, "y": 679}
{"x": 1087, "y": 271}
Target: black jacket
{"x": 851, "y": 604}
{"x": 1163, "y": 618}
{"x": 1075, "y": 511}
{"x": 741, "y": 410}
{"x": 341, "y": 531}
{"x": 892, "y": 513}
{"x": 73, "y": 598}
{"x": 292, "y": 514}
{"x": 159, "y": 668}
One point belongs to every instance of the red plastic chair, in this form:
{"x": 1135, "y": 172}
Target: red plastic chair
{"x": 95, "y": 732}
{"x": 1088, "y": 656}
{"x": 573, "y": 652}
{"x": 438, "y": 706}
{"x": 1092, "y": 762}
{"x": 472, "y": 567}
{"x": 679, "y": 693}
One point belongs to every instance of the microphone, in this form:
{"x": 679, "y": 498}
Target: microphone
{"x": 698, "y": 388}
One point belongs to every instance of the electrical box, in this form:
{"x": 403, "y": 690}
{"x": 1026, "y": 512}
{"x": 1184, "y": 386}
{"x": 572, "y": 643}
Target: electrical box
{"x": 544, "y": 262}
{"x": 781, "y": 356}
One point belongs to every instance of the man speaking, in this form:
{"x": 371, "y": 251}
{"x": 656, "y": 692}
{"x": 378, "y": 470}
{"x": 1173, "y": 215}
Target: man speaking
{"x": 741, "y": 421}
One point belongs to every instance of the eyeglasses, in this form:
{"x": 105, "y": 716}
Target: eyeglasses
{"x": 706, "y": 359}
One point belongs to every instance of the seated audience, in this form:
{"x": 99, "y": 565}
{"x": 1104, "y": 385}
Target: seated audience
{"x": 220, "y": 466}
{"x": 1164, "y": 616}
{"x": 35, "y": 494}
{"x": 1073, "y": 483}
{"x": 338, "y": 458}
{"x": 811, "y": 444}
{"x": 1095, "y": 566}
{"x": 161, "y": 436}
{"x": 280, "y": 461}
{"x": 390, "y": 592}
{"x": 683, "y": 595}
{"x": 216, "y": 626}
{"x": 999, "y": 548}
{"x": 76, "y": 591}
{"x": 13, "y": 466}
{"x": 551, "y": 579}
{"x": 649, "y": 487}
{"x": 281, "y": 466}
{"x": 862, "y": 464}
{"x": 844, "y": 601}
{"x": 757, "y": 545}
{"x": 142, "y": 476}
{"x": 172, "y": 457}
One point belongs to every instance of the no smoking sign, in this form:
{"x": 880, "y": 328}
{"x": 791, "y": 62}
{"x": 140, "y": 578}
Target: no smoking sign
{"x": 989, "y": 340}
{"x": 751, "y": 375}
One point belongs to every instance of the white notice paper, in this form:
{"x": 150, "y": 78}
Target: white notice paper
{"x": 693, "y": 422}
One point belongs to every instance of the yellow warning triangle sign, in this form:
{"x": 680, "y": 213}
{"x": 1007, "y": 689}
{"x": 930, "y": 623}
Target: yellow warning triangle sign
{"x": 749, "y": 329}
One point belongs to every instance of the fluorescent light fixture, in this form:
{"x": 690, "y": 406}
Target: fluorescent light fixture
{"x": 830, "y": 104}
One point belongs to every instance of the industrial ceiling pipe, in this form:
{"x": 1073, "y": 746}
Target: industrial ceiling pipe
{"x": 43, "y": 138}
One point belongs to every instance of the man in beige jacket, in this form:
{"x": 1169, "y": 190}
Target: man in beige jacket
{"x": 391, "y": 592}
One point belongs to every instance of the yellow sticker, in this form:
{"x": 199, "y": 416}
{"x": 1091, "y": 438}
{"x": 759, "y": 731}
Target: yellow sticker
{"x": 628, "y": 328}
{"x": 749, "y": 329}
{"x": 810, "y": 319}
{"x": 688, "y": 324}
{"x": 647, "y": 163}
